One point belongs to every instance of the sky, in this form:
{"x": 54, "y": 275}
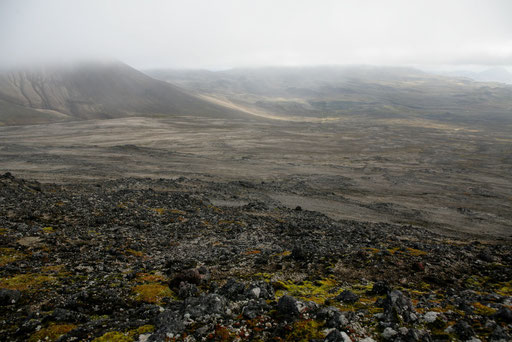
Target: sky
{"x": 219, "y": 34}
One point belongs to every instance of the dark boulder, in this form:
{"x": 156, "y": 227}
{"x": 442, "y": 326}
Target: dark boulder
{"x": 347, "y": 297}
{"x": 8, "y": 297}
{"x": 288, "y": 306}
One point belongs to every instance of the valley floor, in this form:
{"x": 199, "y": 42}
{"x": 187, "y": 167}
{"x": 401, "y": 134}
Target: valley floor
{"x": 454, "y": 179}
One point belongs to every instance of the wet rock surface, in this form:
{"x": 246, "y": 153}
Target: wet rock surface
{"x": 155, "y": 260}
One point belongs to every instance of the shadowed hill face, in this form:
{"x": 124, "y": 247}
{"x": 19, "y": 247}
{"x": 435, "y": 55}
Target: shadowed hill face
{"x": 333, "y": 92}
{"x": 94, "y": 90}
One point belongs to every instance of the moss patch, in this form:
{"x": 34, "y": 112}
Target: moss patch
{"x": 304, "y": 331}
{"x": 128, "y": 336}
{"x": 113, "y": 336}
{"x": 52, "y": 332}
{"x": 8, "y": 255}
{"x": 481, "y": 309}
{"x": 23, "y": 282}
{"x": 135, "y": 253}
{"x": 317, "y": 291}
{"x": 152, "y": 293}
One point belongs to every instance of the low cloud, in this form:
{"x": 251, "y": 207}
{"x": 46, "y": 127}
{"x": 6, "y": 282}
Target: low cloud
{"x": 231, "y": 33}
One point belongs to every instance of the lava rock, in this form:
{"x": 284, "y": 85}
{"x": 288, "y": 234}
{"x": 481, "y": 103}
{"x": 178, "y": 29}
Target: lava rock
{"x": 398, "y": 307}
{"x": 8, "y": 297}
{"x": 187, "y": 290}
{"x": 333, "y": 317}
{"x": 233, "y": 290}
{"x": 347, "y": 297}
{"x": 288, "y": 306}
{"x": 337, "y": 336}
{"x": 505, "y": 315}
{"x": 194, "y": 276}
{"x": 463, "y": 330}
{"x": 380, "y": 288}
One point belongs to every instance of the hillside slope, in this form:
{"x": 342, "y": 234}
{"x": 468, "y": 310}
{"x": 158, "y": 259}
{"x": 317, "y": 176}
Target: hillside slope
{"x": 94, "y": 91}
{"x": 362, "y": 91}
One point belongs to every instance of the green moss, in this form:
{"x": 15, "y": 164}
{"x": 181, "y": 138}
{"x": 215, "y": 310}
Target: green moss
{"x": 135, "y": 253}
{"x": 8, "y": 255}
{"x": 505, "y": 289}
{"x": 3, "y": 231}
{"x": 113, "y": 336}
{"x": 48, "y": 229}
{"x": 140, "y": 330}
{"x": 152, "y": 293}
{"x": 317, "y": 291}
{"x": 22, "y": 282}
{"x": 483, "y": 310}
{"x": 476, "y": 281}
{"x": 264, "y": 276}
{"x": 52, "y": 332}
{"x": 304, "y": 331}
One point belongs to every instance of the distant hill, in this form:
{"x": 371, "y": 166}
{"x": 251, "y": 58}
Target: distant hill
{"x": 497, "y": 74}
{"x": 326, "y": 92}
{"x": 94, "y": 90}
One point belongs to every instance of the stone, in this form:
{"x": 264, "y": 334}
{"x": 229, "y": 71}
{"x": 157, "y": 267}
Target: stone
{"x": 288, "y": 306}
{"x": 347, "y": 297}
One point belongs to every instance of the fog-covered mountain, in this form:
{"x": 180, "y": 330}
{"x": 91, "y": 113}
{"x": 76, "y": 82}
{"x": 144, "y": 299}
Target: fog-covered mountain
{"x": 94, "y": 90}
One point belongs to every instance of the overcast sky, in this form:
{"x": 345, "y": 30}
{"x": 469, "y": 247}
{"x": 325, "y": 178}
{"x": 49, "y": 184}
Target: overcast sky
{"x": 231, "y": 33}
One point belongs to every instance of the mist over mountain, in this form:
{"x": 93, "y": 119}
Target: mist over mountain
{"x": 94, "y": 90}
{"x": 334, "y": 92}
{"x": 496, "y": 74}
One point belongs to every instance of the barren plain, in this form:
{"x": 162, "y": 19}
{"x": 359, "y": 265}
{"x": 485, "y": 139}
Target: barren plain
{"x": 445, "y": 177}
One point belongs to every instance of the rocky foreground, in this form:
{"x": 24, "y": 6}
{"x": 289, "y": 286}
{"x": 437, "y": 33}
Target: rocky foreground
{"x": 155, "y": 260}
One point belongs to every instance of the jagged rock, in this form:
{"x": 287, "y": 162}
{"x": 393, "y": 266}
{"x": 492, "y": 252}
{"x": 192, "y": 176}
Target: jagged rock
{"x": 233, "y": 290}
{"x": 333, "y": 317}
{"x": 254, "y": 308}
{"x": 187, "y": 290}
{"x": 168, "y": 323}
{"x": 210, "y": 304}
{"x": 261, "y": 290}
{"x": 397, "y": 308}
